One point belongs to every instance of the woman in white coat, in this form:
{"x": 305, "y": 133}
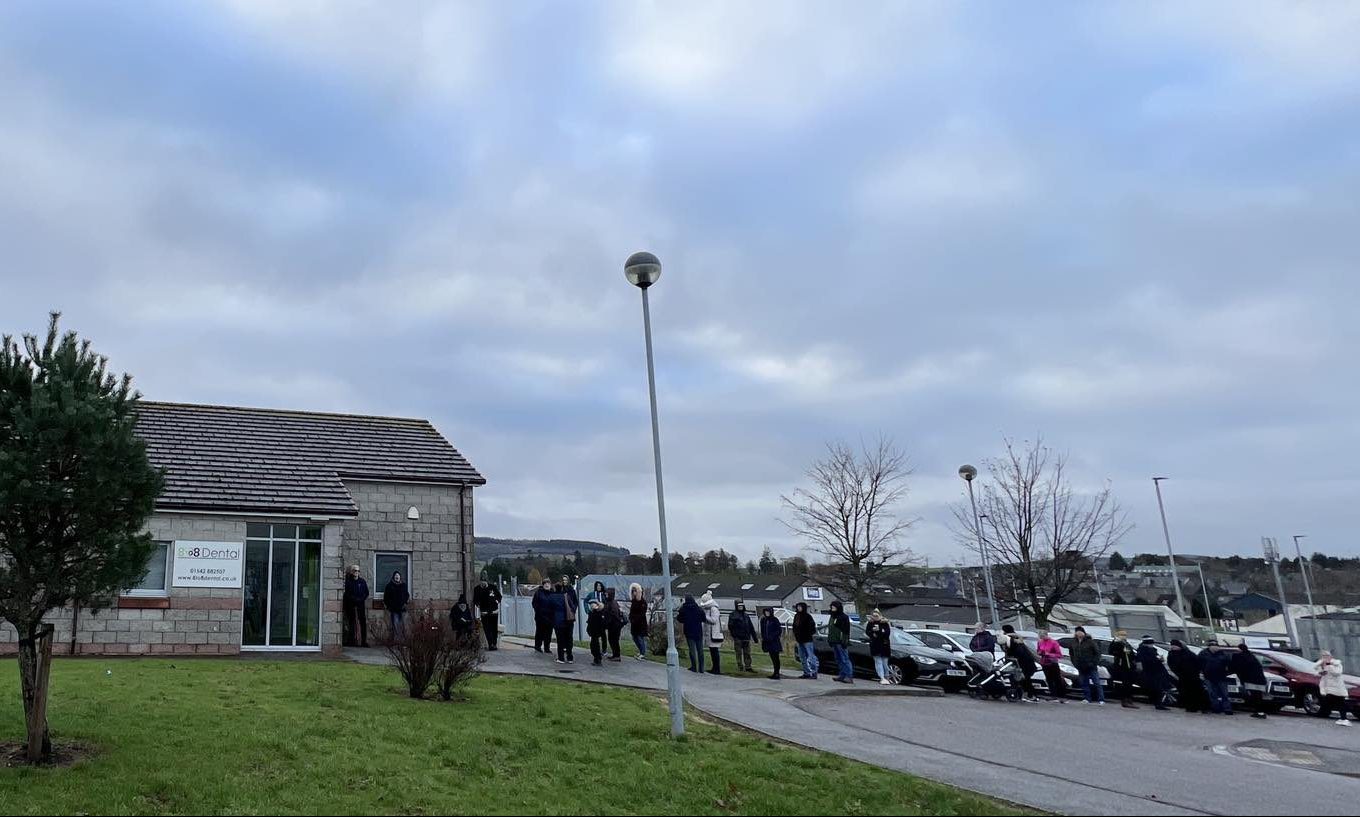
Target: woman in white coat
{"x": 1335, "y": 696}
{"x": 713, "y": 624}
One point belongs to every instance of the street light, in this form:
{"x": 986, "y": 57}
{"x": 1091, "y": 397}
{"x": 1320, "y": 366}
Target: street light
{"x": 1272, "y": 552}
{"x": 1307, "y": 588}
{"x": 642, "y": 269}
{"x": 969, "y": 473}
{"x": 1208, "y": 607}
{"x": 1171, "y": 554}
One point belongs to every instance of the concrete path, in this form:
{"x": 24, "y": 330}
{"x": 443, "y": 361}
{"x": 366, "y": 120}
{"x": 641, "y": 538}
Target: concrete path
{"x": 1070, "y": 759}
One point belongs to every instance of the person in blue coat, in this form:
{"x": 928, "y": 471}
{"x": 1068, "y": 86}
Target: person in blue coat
{"x": 692, "y": 621}
{"x": 1216, "y": 665}
{"x": 772, "y": 639}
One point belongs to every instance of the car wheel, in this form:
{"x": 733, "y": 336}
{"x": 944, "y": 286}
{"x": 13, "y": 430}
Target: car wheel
{"x": 1013, "y": 693}
{"x": 902, "y": 672}
{"x": 1310, "y": 703}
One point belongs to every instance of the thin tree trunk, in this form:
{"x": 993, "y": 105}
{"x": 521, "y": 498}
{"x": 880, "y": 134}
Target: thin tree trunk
{"x": 35, "y": 664}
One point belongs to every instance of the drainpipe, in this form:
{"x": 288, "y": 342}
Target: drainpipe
{"x": 465, "y": 539}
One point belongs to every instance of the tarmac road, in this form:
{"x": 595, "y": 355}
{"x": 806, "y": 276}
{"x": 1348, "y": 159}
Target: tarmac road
{"x": 1210, "y": 764}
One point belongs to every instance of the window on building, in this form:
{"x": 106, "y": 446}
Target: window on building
{"x": 682, "y": 585}
{"x": 747, "y": 586}
{"x": 384, "y": 565}
{"x": 714, "y": 586}
{"x": 154, "y": 582}
{"x": 771, "y": 587}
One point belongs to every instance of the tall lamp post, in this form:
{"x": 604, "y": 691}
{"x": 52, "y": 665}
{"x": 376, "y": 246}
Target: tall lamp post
{"x": 1307, "y": 588}
{"x": 642, "y": 270}
{"x": 969, "y": 473}
{"x": 1171, "y": 554}
{"x": 1272, "y": 553}
{"x": 1208, "y": 607}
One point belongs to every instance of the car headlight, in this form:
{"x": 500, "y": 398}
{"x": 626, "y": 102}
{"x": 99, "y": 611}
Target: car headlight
{"x": 926, "y": 662}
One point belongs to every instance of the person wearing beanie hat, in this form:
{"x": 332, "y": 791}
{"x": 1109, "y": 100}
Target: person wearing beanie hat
{"x": 804, "y": 631}
{"x": 1252, "y": 677}
{"x": 879, "y": 634}
{"x": 1215, "y": 665}
{"x": 1124, "y": 667}
{"x": 1156, "y": 680}
{"x": 1189, "y": 686}
{"x": 838, "y": 636}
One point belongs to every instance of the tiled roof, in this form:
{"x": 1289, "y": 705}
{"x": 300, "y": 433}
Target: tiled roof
{"x": 224, "y": 458}
{"x": 730, "y": 585}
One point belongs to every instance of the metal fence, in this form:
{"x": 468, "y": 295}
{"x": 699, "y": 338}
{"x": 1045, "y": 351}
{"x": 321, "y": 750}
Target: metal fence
{"x": 517, "y": 612}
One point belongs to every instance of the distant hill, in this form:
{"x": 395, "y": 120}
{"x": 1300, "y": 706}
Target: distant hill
{"x": 491, "y": 547}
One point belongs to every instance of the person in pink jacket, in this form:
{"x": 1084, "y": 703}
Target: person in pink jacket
{"x": 1050, "y": 653}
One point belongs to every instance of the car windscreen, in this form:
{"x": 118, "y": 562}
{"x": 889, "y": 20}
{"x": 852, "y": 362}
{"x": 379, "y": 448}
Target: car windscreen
{"x": 901, "y": 639}
{"x": 1292, "y": 661}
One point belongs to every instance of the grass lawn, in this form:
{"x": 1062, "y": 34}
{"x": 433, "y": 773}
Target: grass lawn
{"x": 269, "y": 737}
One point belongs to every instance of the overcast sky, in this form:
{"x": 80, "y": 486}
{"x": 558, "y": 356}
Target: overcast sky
{"x": 1133, "y": 228}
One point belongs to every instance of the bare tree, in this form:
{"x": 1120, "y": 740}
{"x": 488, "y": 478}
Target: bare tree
{"x": 850, "y": 514}
{"x": 1043, "y": 535}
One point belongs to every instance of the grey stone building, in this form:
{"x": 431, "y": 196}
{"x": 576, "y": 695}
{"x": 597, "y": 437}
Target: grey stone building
{"x": 262, "y": 511}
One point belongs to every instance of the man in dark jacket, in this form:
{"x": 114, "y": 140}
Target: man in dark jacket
{"x": 983, "y": 640}
{"x": 1189, "y": 686}
{"x": 1086, "y": 658}
{"x": 597, "y": 629}
{"x": 460, "y": 616}
{"x": 838, "y": 636}
{"x": 804, "y": 631}
{"x": 1125, "y": 667}
{"x": 562, "y": 602}
{"x": 354, "y": 604}
{"x": 743, "y": 632}
{"x": 772, "y": 639}
{"x": 396, "y": 595}
{"x": 1216, "y": 665}
{"x": 486, "y": 596}
{"x": 543, "y": 618}
{"x": 1155, "y": 678}
{"x": 691, "y": 620}
{"x": 1252, "y": 676}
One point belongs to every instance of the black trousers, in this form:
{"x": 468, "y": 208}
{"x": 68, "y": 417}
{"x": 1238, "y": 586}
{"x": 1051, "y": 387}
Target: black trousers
{"x": 1334, "y": 703}
{"x": 774, "y": 659}
{"x": 715, "y": 653}
{"x": 491, "y": 627}
{"x": 597, "y": 647}
{"x": 614, "y": 642}
{"x": 1057, "y": 684}
{"x": 564, "y": 642}
{"x": 543, "y": 634}
{"x": 356, "y": 622}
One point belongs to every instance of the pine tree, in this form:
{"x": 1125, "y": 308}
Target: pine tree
{"x": 1118, "y": 562}
{"x": 768, "y": 564}
{"x": 76, "y": 490}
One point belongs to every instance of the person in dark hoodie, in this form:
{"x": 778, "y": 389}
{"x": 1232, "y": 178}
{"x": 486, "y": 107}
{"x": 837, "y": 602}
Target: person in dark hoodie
{"x": 543, "y": 617}
{"x": 772, "y": 639}
{"x": 743, "y": 632}
{"x": 395, "y": 597}
{"x": 1189, "y": 686}
{"x": 1155, "y": 678}
{"x": 486, "y": 597}
{"x": 879, "y": 633}
{"x": 838, "y": 636}
{"x": 597, "y": 629}
{"x": 460, "y": 616}
{"x": 354, "y": 605}
{"x": 1252, "y": 676}
{"x": 1019, "y": 652}
{"x": 804, "y": 631}
{"x": 692, "y": 621}
{"x": 1125, "y": 670}
{"x": 614, "y": 619}
{"x": 1216, "y": 665}
{"x": 638, "y": 624}
{"x": 563, "y": 601}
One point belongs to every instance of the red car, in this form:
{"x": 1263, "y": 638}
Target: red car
{"x": 1303, "y": 682}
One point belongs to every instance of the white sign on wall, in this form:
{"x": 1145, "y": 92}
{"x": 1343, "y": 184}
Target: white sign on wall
{"x": 207, "y": 564}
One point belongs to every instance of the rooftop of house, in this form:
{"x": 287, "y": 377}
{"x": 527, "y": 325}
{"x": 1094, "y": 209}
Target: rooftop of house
{"x": 736, "y": 585}
{"x": 233, "y": 459}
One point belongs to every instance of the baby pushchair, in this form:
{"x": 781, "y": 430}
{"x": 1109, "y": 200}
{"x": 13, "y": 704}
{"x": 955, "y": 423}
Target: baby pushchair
{"x": 999, "y": 682}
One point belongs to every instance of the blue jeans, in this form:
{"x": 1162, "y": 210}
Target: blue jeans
{"x": 640, "y": 641}
{"x": 845, "y": 670}
{"x": 881, "y": 667}
{"x": 696, "y": 652}
{"x": 394, "y": 620}
{"x": 1218, "y": 696}
{"x": 807, "y": 656}
{"x": 1090, "y": 685}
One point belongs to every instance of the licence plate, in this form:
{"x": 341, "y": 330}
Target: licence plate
{"x": 958, "y": 672}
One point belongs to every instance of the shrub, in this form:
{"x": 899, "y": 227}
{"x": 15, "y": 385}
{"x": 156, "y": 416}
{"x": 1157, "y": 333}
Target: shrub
{"x": 459, "y": 663}
{"x": 658, "y": 619}
{"x": 416, "y": 650}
